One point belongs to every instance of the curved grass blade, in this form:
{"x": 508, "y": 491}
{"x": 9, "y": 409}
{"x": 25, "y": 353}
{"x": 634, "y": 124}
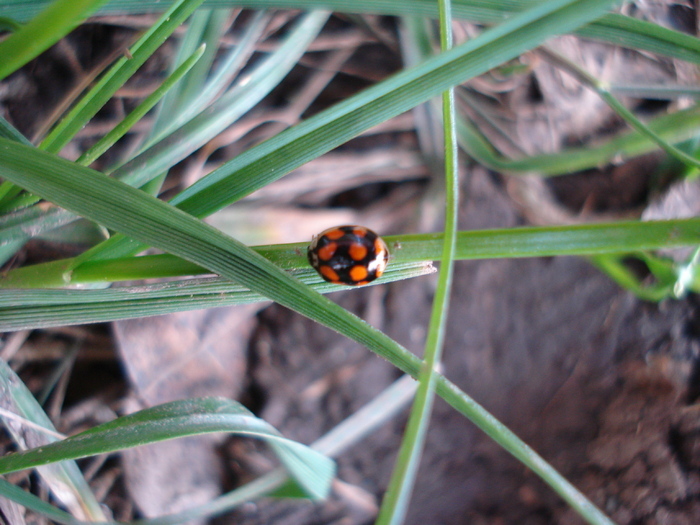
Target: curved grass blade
{"x": 349, "y": 432}
{"x": 613, "y": 266}
{"x": 585, "y": 78}
{"x": 312, "y": 471}
{"x": 674, "y": 128}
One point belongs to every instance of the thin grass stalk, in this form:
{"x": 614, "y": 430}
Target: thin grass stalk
{"x": 396, "y": 500}
{"x": 603, "y": 90}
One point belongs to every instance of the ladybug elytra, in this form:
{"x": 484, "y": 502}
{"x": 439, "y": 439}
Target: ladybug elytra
{"x": 352, "y": 255}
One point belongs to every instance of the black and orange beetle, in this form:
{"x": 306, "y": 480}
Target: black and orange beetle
{"x": 352, "y": 255}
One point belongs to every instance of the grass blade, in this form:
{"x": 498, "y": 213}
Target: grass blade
{"x": 47, "y": 28}
{"x": 396, "y": 500}
{"x": 125, "y": 67}
{"x": 46, "y": 308}
{"x": 311, "y": 470}
{"x": 582, "y": 239}
{"x": 140, "y": 111}
{"x": 276, "y": 157}
{"x": 65, "y": 481}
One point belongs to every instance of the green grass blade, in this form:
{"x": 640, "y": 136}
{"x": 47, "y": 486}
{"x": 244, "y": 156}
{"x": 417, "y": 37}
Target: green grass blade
{"x": 7, "y": 24}
{"x": 290, "y": 149}
{"x": 674, "y": 128}
{"x": 220, "y": 115}
{"x": 19, "y": 227}
{"x": 603, "y": 91}
{"x": 337, "y": 440}
{"x": 187, "y": 44}
{"x": 205, "y": 28}
{"x": 65, "y": 481}
{"x": 396, "y": 500}
{"x": 8, "y": 131}
{"x": 29, "y": 309}
{"x": 311, "y": 470}
{"x": 639, "y": 34}
{"x": 140, "y": 111}
{"x": 8, "y": 250}
{"x": 47, "y": 28}
{"x": 32, "y": 502}
{"x": 229, "y": 67}
{"x": 115, "y": 78}
{"x": 583, "y": 239}
{"x": 613, "y": 266}
{"x": 612, "y": 28}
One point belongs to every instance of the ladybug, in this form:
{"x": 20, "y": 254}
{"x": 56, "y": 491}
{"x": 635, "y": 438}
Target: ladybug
{"x": 352, "y": 255}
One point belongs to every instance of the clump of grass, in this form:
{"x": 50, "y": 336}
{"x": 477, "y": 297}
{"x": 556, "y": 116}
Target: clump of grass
{"x": 204, "y": 98}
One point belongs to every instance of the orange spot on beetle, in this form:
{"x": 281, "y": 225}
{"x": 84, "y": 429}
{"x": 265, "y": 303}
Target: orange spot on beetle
{"x": 357, "y": 252}
{"x": 334, "y": 234}
{"x": 358, "y": 273}
{"x": 327, "y": 252}
{"x": 329, "y": 274}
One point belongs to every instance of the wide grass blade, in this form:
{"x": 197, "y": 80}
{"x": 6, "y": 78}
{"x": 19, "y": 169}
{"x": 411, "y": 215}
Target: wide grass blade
{"x": 47, "y": 28}
{"x": 47, "y": 308}
{"x": 312, "y": 471}
{"x": 539, "y": 241}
